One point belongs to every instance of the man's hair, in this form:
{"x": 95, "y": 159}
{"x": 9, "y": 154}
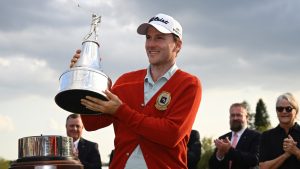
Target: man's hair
{"x": 243, "y": 105}
{"x": 175, "y": 37}
{"x": 238, "y": 105}
{"x": 73, "y": 116}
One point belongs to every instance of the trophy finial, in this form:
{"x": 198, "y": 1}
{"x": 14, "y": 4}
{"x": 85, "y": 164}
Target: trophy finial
{"x": 94, "y": 28}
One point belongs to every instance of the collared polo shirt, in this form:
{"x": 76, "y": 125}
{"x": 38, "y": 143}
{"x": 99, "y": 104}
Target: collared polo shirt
{"x": 151, "y": 87}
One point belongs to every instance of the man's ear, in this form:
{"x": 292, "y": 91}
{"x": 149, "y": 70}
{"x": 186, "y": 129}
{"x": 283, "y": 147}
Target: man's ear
{"x": 178, "y": 45}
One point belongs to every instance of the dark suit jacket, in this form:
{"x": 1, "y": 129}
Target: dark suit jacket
{"x": 89, "y": 154}
{"x": 194, "y": 149}
{"x": 244, "y": 156}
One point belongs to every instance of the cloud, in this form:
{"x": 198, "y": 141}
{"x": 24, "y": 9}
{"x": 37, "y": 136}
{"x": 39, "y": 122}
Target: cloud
{"x": 23, "y": 74}
{"x": 6, "y": 124}
{"x": 56, "y": 126}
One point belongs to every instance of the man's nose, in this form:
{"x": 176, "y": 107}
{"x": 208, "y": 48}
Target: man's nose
{"x": 150, "y": 42}
{"x": 75, "y": 128}
{"x": 234, "y": 117}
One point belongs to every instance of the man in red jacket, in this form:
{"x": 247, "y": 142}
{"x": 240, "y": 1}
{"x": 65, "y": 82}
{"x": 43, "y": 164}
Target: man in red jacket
{"x": 153, "y": 109}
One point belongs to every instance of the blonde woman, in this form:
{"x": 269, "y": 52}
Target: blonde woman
{"x": 279, "y": 147}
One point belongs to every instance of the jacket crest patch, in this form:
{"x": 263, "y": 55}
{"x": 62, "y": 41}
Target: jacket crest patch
{"x": 163, "y": 101}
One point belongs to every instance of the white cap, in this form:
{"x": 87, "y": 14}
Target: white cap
{"x": 163, "y": 23}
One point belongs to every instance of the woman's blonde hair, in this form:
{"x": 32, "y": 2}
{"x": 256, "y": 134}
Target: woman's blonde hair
{"x": 290, "y": 98}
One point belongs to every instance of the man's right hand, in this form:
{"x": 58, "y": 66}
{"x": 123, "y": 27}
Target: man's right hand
{"x": 223, "y": 145}
{"x": 75, "y": 58}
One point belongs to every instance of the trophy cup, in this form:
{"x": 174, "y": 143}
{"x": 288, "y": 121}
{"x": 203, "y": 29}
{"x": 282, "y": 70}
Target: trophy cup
{"x": 46, "y": 152}
{"x": 85, "y": 78}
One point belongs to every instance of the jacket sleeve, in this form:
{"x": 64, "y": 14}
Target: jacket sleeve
{"x": 95, "y": 122}
{"x": 215, "y": 163}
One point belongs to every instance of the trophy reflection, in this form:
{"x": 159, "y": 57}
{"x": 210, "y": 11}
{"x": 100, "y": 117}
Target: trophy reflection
{"x": 85, "y": 78}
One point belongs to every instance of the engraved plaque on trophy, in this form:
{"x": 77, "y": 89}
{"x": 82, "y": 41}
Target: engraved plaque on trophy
{"x": 85, "y": 78}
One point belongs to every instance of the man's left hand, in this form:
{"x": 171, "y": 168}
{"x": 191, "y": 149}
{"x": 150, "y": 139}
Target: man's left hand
{"x": 98, "y": 105}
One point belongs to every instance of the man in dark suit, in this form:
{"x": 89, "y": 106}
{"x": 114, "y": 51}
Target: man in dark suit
{"x": 85, "y": 150}
{"x": 239, "y": 148}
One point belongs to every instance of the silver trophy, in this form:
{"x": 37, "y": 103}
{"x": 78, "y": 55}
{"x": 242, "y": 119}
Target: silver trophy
{"x": 86, "y": 77}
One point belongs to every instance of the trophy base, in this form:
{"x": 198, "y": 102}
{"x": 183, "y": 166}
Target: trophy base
{"x": 69, "y": 100}
{"x": 45, "y": 158}
{"x": 53, "y": 164}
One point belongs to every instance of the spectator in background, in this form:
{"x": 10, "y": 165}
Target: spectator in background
{"x": 85, "y": 150}
{"x": 194, "y": 150}
{"x": 279, "y": 147}
{"x": 239, "y": 148}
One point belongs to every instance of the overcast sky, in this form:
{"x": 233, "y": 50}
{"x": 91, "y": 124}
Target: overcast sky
{"x": 240, "y": 50}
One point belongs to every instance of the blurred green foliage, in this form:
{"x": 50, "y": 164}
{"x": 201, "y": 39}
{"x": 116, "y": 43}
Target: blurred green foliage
{"x": 4, "y": 164}
{"x": 207, "y": 151}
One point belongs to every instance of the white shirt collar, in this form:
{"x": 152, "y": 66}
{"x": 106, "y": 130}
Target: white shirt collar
{"x": 239, "y": 133}
{"x": 76, "y": 143}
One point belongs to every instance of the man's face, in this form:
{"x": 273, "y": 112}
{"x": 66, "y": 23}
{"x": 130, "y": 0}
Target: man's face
{"x": 238, "y": 118}
{"x": 74, "y": 128}
{"x": 161, "y": 48}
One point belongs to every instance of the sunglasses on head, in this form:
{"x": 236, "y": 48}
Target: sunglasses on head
{"x": 288, "y": 109}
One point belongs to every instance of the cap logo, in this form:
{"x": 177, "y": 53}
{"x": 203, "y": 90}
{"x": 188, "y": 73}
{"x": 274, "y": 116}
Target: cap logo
{"x": 176, "y": 30}
{"x": 158, "y": 19}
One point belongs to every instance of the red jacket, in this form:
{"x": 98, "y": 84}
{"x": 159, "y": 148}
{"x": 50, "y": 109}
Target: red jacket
{"x": 162, "y": 130}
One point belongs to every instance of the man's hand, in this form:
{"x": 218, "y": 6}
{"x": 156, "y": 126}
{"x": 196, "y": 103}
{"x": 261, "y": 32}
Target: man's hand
{"x": 98, "y": 105}
{"x": 223, "y": 146}
{"x": 75, "y": 58}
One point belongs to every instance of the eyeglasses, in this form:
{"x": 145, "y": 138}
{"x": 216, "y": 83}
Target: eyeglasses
{"x": 288, "y": 109}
